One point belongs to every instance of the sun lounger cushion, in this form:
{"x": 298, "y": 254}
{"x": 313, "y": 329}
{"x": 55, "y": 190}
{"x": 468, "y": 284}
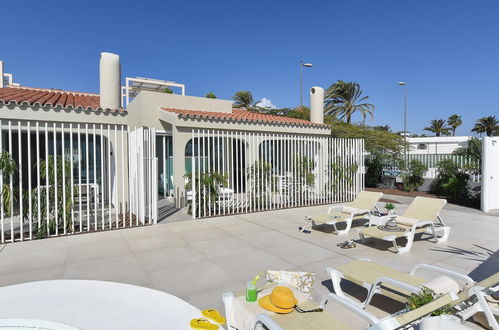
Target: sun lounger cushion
{"x": 406, "y": 221}
{"x": 442, "y": 285}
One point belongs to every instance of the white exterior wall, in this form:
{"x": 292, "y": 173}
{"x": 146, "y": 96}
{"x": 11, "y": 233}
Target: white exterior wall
{"x": 490, "y": 175}
{"x": 437, "y": 145}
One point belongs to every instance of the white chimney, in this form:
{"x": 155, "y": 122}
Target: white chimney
{"x": 317, "y": 105}
{"x": 110, "y": 81}
{"x": 1, "y": 74}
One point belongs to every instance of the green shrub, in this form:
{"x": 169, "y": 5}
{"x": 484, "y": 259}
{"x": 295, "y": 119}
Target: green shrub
{"x": 412, "y": 177}
{"x": 451, "y": 182}
{"x": 206, "y": 192}
{"x": 374, "y": 169}
{"x": 424, "y": 297}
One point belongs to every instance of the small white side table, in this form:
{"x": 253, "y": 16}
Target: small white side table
{"x": 381, "y": 220}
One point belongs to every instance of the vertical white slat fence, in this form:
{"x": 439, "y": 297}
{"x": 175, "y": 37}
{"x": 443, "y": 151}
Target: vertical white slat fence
{"x": 234, "y": 172}
{"x": 72, "y": 178}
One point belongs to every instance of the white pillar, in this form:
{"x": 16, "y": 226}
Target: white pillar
{"x": 490, "y": 174}
{"x": 1, "y": 74}
{"x": 317, "y": 105}
{"x": 180, "y": 139}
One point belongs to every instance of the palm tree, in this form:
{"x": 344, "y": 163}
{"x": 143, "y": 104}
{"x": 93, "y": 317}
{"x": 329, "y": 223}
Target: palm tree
{"x": 244, "y": 99}
{"x": 488, "y": 125}
{"x": 454, "y": 122}
{"x": 437, "y": 127}
{"x": 473, "y": 151}
{"x": 343, "y": 99}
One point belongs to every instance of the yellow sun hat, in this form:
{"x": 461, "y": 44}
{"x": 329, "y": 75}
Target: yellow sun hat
{"x": 281, "y": 300}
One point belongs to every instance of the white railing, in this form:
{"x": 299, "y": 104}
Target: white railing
{"x": 238, "y": 172}
{"x": 393, "y": 167}
{"x": 74, "y": 178}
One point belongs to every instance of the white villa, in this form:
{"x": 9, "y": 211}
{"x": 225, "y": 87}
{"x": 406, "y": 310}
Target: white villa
{"x": 117, "y": 158}
{"x": 436, "y": 144}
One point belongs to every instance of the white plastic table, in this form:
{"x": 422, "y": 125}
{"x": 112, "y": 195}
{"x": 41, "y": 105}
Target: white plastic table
{"x": 96, "y": 305}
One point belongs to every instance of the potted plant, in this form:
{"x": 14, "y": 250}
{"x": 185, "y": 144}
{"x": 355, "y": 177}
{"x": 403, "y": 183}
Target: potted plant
{"x": 389, "y": 208}
{"x": 441, "y": 318}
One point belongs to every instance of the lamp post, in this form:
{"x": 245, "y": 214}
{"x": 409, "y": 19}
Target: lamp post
{"x": 307, "y": 65}
{"x": 404, "y": 84}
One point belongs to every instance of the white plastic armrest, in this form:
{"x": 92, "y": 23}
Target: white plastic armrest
{"x": 420, "y": 224}
{"x": 335, "y": 208}
{"x": 350, "y": 305}
{"x": 264, "y": 319}
{"x": 228, "y": 300}
{"x": 399, "y": 284}
{"x": 465, "y": 278}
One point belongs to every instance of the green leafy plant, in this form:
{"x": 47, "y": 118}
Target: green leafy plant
{"x": 473, "y": 153}
{"x": 305, "y": 178}
{"x": 374, "y": 170}
{"x": 451, "y": 182}
{"x": 259, "y": 191}
{"x": 389, "y": 207}
{"x": 167, "y": 90}
{"x": 412, "y": 178}
{"x": 343, "y": 174}
{"x": 57, "y": 205}
{"x": 8, "y": 167}
{"x": 206, "y": 190}
{"x": 211, "y": 95}
{"x": 376, "y": 141}
{"x": 424, "y": 297}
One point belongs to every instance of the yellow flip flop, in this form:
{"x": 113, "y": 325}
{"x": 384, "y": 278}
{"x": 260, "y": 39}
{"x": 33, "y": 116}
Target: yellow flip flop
{"x": 203, "y": 324}
{"x": 214, "y": 315}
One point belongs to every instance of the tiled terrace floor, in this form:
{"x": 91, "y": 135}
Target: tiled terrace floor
{"x": 200, "y": 260}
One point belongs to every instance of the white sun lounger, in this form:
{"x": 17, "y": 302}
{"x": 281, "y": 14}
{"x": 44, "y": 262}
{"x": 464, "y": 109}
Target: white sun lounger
{"x": 360, "y": 208}
{"x": 326, "y": 320}
{"x": 422, "y": 217}
{"x": 380, "y": 279}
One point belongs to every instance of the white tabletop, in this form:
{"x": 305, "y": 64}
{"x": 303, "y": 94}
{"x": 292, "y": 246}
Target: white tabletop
{"x": 96, "y": 305}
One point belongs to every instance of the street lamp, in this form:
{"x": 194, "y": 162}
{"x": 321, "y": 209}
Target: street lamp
{"x": 307, "y": 65}
{"x": 404, "y": 84}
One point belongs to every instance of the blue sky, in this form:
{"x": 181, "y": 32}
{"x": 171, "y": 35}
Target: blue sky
{"x": 447, "y": 50}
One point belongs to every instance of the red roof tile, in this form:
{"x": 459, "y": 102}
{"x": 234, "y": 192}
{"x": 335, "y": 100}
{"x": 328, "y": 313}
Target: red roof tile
{"x": 44, "y": 97}
{"x": 242, "y": 115}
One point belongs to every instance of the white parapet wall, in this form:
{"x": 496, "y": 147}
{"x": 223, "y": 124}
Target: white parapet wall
{"x": 490, "y": 175}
